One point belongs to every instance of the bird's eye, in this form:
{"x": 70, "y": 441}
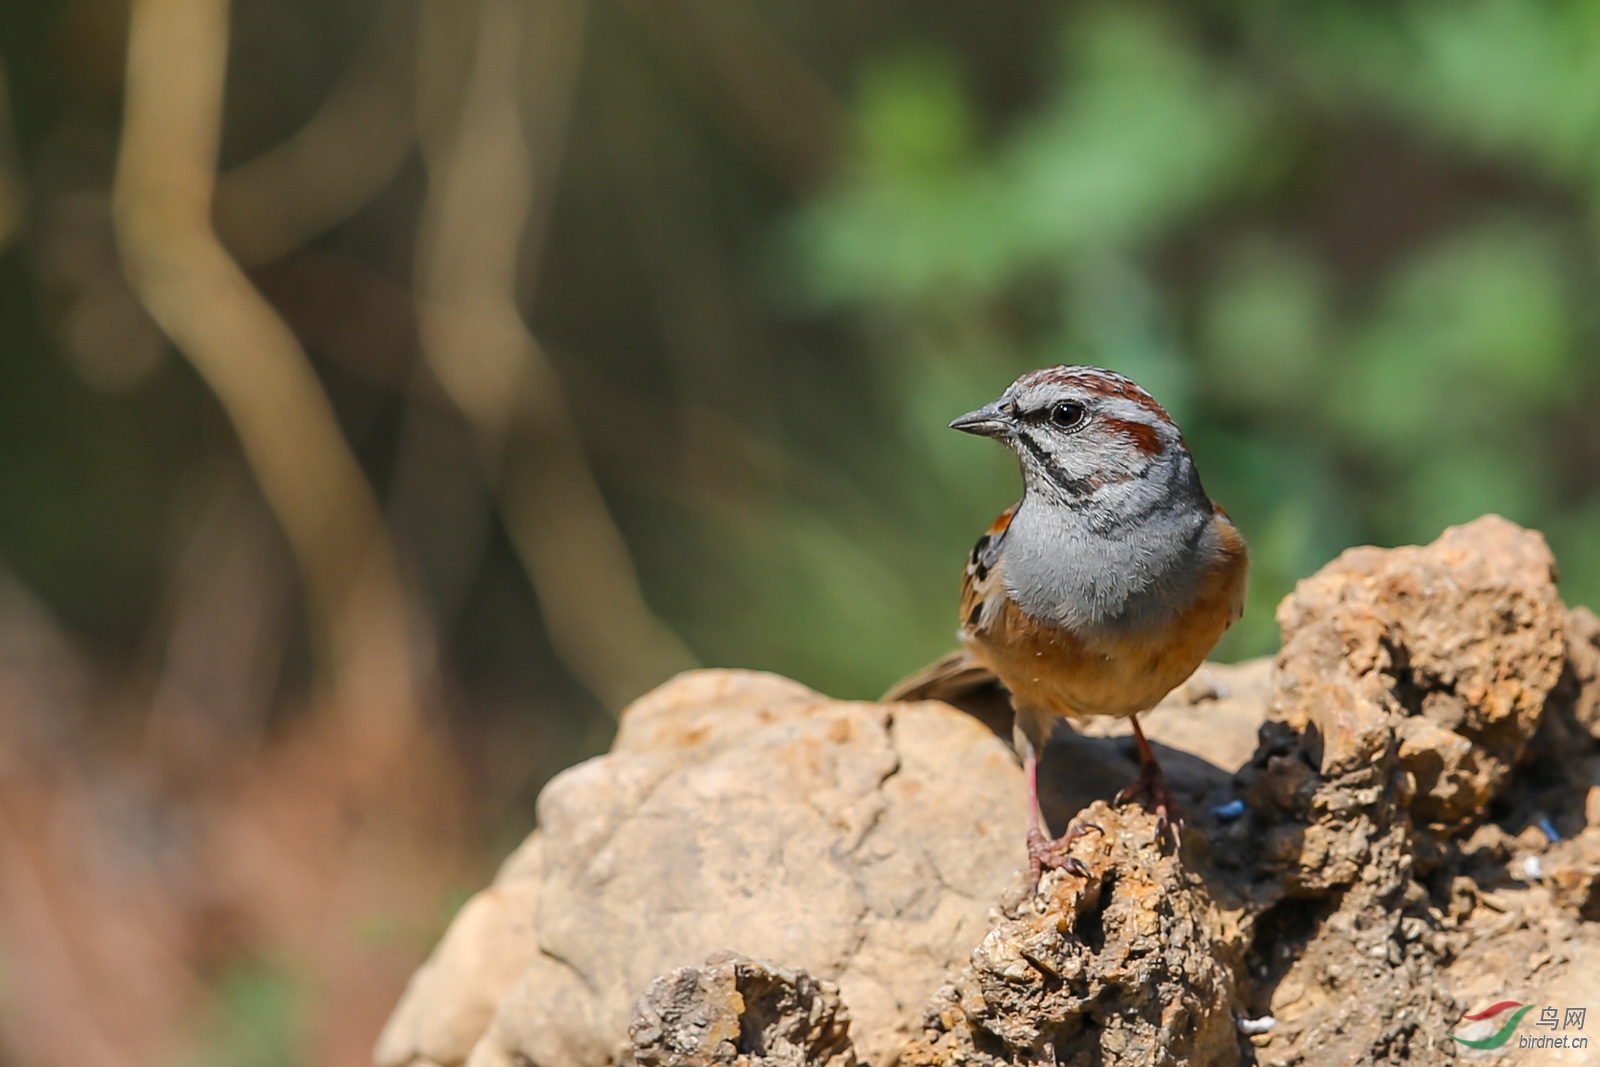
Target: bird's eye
{"x": 1066, "y": 414}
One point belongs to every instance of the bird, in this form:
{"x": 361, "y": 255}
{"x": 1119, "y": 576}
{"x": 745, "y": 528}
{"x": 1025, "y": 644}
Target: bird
{"x": 1099, "y": 591}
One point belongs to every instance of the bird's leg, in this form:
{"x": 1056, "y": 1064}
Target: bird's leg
{"x": 1038, "y": 844}
{"x": 1043, "y": 852}
{"x": 1152, "y": 782}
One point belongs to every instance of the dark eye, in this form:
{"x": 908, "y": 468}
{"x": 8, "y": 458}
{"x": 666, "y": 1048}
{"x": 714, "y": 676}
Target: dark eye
{"x": 1066, "y": 414}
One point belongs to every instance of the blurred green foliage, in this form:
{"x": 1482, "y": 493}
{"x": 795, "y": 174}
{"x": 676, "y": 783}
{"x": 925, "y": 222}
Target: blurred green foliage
{"x": 259, "y": 1019}
{"x": 1351, "y": 246}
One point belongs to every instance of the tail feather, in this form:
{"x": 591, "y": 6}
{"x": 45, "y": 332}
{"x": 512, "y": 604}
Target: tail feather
{"x": 962, "y": 682}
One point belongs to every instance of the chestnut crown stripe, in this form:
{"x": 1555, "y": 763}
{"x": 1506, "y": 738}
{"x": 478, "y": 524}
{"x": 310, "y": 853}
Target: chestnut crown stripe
{"x": 1099, "y": 383}
{"x": 1142, "y": 435}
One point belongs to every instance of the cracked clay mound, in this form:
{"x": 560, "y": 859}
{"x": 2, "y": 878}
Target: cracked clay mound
{"x": 757, "y": 874}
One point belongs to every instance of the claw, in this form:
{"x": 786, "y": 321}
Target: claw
{"x": 1045, "y": 854}
{"x": 1038, "y": 851}
{"x": 1154, "y": 785}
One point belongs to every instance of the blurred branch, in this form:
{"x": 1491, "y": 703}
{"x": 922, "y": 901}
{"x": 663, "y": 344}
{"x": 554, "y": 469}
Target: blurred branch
{"x": 770, "y": 100}
{"x": 337, "y": 162}
{"x": 491, "y": 182}
{"x": 229, "y": 603}
{"x": 370, "y": 653}
{"x": 13, "y": 197}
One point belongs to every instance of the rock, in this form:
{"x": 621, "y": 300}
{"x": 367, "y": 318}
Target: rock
{"x": 1583, "y": 669}
{"x": 1350, "y": 976}
{"x": 1122, "y": 966}
{"x": 1409, "y": 684}
{"x": 1466, "y": 634}
{"x": 862, "y": 843}
{"x": 735, "y": 1012}
{"x": 1448, "y": 780}
{"x": 1572, "y": 869}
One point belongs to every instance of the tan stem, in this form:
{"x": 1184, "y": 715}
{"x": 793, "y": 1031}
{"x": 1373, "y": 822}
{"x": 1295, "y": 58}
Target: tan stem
{"x": 488, "y": 187}
{"x": 13, "y": 197}
{"x": 334, "y": 164}
{"x": 370, "y": 652}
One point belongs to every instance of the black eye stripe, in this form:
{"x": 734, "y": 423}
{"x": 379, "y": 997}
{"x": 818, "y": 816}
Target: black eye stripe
{"x": 1049, "y": 414}
{"x": 1073, "y": 487}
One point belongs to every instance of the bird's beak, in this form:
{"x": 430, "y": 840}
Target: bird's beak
{"x": 991, "y": 420}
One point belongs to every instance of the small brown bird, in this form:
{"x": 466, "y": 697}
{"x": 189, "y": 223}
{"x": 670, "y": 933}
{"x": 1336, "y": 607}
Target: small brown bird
{"x": 1104, "y": 587}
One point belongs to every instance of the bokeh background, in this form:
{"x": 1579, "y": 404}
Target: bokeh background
{"x": 390, "y": 390}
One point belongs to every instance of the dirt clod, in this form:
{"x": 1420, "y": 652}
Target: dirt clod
{"x": 736, "y": 1012}
{"x": 1123, "y": 965}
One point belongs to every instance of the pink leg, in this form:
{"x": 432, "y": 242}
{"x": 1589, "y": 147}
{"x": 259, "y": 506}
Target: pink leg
{"x": 1038, "y": 844}
{"x": 1153, "y": 782}
{"x": 1043, "y": 852}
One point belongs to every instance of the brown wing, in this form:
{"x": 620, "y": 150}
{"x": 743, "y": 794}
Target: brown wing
{"x": 1233, "y": 546}
{"x": 980, "y": 585}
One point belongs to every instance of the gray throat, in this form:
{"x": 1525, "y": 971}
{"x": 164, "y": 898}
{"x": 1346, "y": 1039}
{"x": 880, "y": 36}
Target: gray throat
{"x": 1125, "y": 559}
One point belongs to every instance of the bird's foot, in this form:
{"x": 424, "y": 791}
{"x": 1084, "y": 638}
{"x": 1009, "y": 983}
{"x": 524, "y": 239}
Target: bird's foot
{"x": 1153, "y": 784}
{"x": 1046, "y": 854}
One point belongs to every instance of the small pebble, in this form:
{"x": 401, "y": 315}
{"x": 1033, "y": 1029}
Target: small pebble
{"x": 1533, "y": 868}
{"x": 1229, "y": 811}
{"x": 1257, "y": 1026}
{"x": 1543, "y": 823}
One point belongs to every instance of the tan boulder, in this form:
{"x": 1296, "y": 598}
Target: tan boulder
{"x": 737, "y": 811}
